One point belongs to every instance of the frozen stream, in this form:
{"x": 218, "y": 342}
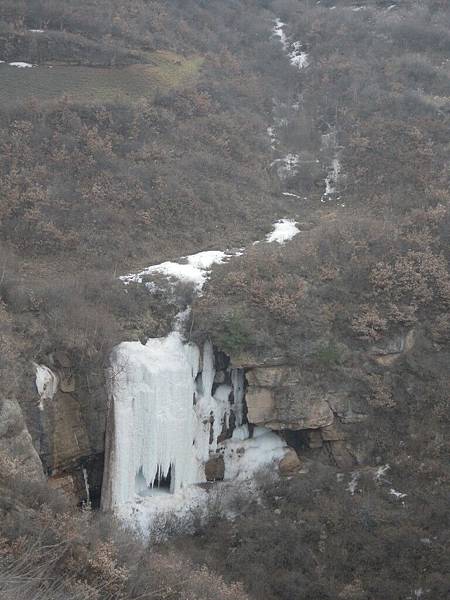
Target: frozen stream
{"x": 167, "y": 417}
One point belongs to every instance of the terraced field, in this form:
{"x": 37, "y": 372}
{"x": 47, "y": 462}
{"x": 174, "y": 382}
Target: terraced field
{"x": 96, "y": 84}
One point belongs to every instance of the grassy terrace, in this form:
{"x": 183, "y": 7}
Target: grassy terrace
{"x": 97, "y": 84}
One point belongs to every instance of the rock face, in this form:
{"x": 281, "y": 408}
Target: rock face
{"x": 277, "y": 398}
{"x": 392, "y": 349}
{"x": 16, "y": 446}
{"x": 65, "y": 414}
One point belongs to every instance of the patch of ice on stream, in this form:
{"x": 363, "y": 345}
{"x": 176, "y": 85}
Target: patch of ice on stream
{"x": 194, "y": 269}
{"x": 297, "y": 56}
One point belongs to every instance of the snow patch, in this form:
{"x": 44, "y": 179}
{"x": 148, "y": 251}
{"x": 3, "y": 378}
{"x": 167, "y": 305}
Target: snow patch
{"x": 353, "y": 484}
{"x": 245, "y": 456}
{"x": 195, "y": 269}
{"x": 159, "y": 509}
{"x": 396, "y": 494}
{"x": 21, "y": 65}
{"x": 284, "y": 230}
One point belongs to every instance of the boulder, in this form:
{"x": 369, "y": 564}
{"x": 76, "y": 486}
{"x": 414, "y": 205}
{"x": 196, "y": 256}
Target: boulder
{"x": 66, "y": 381}
{"x": 16, "y": 446}
{"x": 215, "y": 469}
{"x": 343, "y": 458}
{"x": 290, "y": 463}
{"x": 219, "y": 377}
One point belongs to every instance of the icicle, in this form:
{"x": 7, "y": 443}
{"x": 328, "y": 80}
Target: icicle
{"x": 46, "y": 384}
{"x": 152, "y": 388}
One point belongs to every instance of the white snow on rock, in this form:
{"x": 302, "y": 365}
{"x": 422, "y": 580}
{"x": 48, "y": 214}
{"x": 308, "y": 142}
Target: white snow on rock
{"x": 36, "y": 30}
{"x": 278, "y": 31}
{"x": 297, "y": 56}
{"x": 284, "y": 230}
{"x": 397, "y": 495}
{"x": 245, "y": 456}
{"x": 194, "y": 269}
{"x": 380, "y": 473}
{"x": 20, "y": 65}
{"x": 272, "y": 137}
{"x": 46, "y": 384}
{"x": 353, "y": 484}
{"x": 287, "y": 166}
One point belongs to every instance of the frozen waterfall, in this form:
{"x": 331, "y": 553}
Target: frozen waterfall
{"x": 168, "y": 416}
{"x": 151, "y": 393}
{"x": 164, "y": 421}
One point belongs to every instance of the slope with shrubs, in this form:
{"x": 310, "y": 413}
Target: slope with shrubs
{"x": 90, "y": 190}
{"x": 372, "y": 263}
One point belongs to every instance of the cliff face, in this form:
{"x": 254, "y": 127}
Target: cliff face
{"x": 65, "y": 413}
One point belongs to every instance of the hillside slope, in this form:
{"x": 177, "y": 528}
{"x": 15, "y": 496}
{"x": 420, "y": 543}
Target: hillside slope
{"x": 147, "y": 131}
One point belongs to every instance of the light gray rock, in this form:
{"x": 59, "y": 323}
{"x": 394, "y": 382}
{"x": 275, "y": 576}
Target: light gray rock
{"x": 16, "y": 446}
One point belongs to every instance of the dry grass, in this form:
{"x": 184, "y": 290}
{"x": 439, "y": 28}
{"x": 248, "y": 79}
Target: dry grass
{"x": 97, "y": 85}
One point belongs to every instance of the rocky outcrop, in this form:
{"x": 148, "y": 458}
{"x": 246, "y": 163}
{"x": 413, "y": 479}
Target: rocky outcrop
{"x": 278, "y": 398}
{"x": 16, "y": 446}
{"x": 393, "y": 348}
{"x": 65, "y": 411}
{"x": 290, "y": 463}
